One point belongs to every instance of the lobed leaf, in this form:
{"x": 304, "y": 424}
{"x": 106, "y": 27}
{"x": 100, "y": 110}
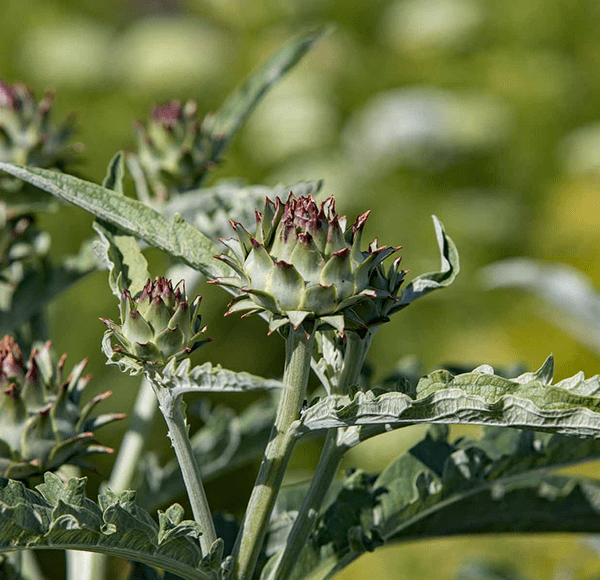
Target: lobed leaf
{"x": 440, "y": 488}
{"x": 172, "y": 235}
{"x": 59, "y": 516}
{"x": 569, "y": 407}
{"x": 179, "y": 379}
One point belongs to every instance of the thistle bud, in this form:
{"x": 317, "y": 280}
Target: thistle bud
{"x": 171, "y": 149}
{"x": 41, "y": 423}
{"x": 157, "y": 325}
{"x": 302, "y": 263}
{"x": 27, "y": 135}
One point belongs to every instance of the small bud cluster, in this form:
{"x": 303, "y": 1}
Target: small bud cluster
{"x": 172, "y": 151}
{"x": 157, "y": 325}
{"x": 41, "y": 423}
{"x": 303, "y": 262}
{"x": 27, "y": 135}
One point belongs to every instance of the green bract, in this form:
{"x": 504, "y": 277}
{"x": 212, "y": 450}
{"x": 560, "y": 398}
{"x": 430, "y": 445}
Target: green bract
{"x": 41, "y": 424}
{"x": 171, "y": 151}
{"x": 156, "y": 326}
{"x": 27, "y": 135}
{"x": 303, "y": 263}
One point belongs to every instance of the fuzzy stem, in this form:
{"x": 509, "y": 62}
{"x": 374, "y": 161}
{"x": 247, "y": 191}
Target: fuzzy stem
{"x": 171, "y": 409}
{"x": 329, "y": 462}
{"x": 277, "y": 454}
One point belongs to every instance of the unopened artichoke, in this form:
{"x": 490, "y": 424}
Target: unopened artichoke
{"x": 172, "y": 152}
{"x": 41, "y": 423}
{"x": 302, "y": 263}
{"x": 27, "y": 135}
{"x": 157, "y": 325}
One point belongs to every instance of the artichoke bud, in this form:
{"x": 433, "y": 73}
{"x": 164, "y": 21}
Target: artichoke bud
{"x": 42, "y": 425}
{"x": 27, "y": 135}
{"x": 172, "y": 150}
{"x": 157, "y": 325}
{"x": 302, "y": 264}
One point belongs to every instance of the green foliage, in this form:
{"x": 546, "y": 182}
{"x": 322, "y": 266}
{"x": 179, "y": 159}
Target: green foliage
{"x": 59, "y": 515}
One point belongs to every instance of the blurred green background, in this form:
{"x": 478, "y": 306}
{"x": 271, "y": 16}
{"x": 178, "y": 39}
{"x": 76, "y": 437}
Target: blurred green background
{"x": 484, "y": 113}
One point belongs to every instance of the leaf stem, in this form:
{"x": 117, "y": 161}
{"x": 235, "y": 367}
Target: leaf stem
{"x": 329, "y": 462}
{"x": 279, "y": 449}
{"x": 171, "y": 409}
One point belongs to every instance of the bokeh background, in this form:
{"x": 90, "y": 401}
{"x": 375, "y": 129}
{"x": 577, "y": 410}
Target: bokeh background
{"x": 484, "y": 113}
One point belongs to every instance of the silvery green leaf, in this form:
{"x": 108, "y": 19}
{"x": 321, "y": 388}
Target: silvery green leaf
{"x": 426, "y": 283}
{"x": 115, "y": 173}
{"x": 475, "y": 398}
{"x": 574, "y": 301}
{"x": 441, "y": 488}
{"x": 228, "y": 119}
{"x": 127, "y": 266}
{"x": 58, "y": 515}
{"x": 172, "y": 235}
{"x": 206, "y": 378}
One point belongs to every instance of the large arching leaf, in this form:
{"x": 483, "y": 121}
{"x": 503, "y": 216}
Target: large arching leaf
{"x": 59, "y": 516}
{"x": 172, "y": 235}
{"x": 530, "y": 401}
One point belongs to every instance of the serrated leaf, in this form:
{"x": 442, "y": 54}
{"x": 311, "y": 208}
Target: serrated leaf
{"x": 425, "y": 283}
{"x": 221, "y": 126}
{"x": 172, "y": 235}
{"x": 574, "y": 301}
{"x": 476, "y": 398}
{"x": 206, "y": 378}
{"x": 440, "y": 488}
{"x": 59, "y": 515}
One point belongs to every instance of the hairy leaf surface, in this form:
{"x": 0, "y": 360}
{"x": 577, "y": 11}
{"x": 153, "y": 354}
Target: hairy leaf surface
{"x": 172, "y": 235}
{"x": 59, "y": 516}
{"x": 569, "y": 407}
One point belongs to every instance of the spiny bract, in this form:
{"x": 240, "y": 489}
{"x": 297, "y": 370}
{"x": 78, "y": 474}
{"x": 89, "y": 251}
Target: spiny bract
{"x": 302, "y": 264}
{"x": 156, "y": 326}
{"x": 172, "y": 151}
{"x": 27, "y": 135}
{"x": 41, "y": 424}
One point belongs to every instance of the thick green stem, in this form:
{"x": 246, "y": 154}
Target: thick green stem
{"x": 178, "y": 433}
{"x": 277, "y": 454}
{"x": 329, "y": 462}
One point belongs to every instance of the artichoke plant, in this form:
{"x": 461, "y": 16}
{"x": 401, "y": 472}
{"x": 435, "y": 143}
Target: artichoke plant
{"x": 41, "y": 423}
{"x": 303, "y": 263}
{"x": 157, "y": 325}
{"x": 27, "y": 135}
{"x": 171, "y": 150}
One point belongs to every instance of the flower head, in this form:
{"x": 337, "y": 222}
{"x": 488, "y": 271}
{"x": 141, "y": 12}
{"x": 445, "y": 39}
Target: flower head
{"x": 302, "y": 263}
{"x": 172, "y": 151}
{"x": 41, "y": 423}
{"x": 157, "y": 325}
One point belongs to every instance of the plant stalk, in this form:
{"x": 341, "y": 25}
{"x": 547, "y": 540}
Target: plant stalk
{"x": 329, "y": 462}
{"x": 277, "y": 454}
{"x": 171, "y": 409}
